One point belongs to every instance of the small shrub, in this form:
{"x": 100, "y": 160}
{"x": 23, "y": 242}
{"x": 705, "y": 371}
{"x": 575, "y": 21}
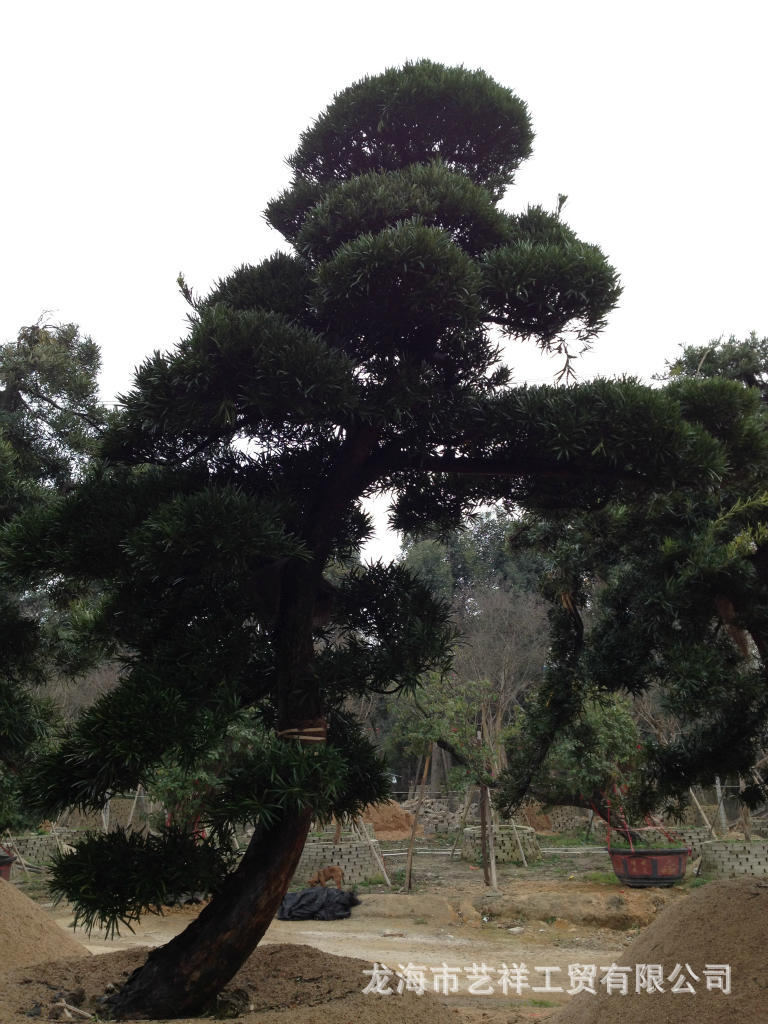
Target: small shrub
{"x": 374, "y": 880}
{"x": 601, "y": 877}
{"x": 695, "y": 883}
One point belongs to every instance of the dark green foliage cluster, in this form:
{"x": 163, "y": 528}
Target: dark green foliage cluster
{"x": 50, "y": 416}
{"x": 743, "y": 360}
{"x": 114, "y": 877}
{"x": 675, "y": 587}
{"x": 418, "y": 114}
{"x": 598, "y": 752}
{"x": 50, "y": 423}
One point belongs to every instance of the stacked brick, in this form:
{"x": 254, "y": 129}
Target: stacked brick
{"x": 723, "y": 859}
{"x": 505, "y": 844}
{"x": 38, "y": 849}
{"x": 436, "y": 814}
{"x": 685, "y": 836}
{"x": 353, "y": 855}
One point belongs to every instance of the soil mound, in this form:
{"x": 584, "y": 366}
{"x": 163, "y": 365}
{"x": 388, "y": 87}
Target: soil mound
{"x": 278, "y": 984}
{"x": 390, "y": 820}
{"x": 28, "y": 935}
{"x": 582, "y": 904}
{"x": 721, "y": 924}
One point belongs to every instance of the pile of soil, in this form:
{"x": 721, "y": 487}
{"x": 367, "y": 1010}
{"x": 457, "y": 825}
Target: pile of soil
{"x": 579, "y": 903}
{"x": 278, "y": 984}
{"x": 390, "y": 821}
{"x": 721, "y": 923}
{"x": 533, "y": 814}
{"x": 28, "y": 935}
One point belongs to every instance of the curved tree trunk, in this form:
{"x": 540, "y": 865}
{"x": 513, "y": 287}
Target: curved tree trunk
{"x": 183, "y": 977}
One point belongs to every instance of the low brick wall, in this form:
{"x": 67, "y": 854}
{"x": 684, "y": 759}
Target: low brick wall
{"x": 691, "y": 837}
{"x": 567, "y": 819}
{"x": 436, "y": 815}
{"x": 721, "y": 859}
{"x": 38, "y": 849}
{"x": 122, "y": 809}
{"x": 505, "y": 845}
{"x": 355, "y": 859}
{"x": 326, "y": 835}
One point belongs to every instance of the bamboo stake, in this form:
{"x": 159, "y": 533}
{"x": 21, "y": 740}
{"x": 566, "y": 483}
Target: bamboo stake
{"x": 71, "y": 1010}
{"x": 105, "y": 816}
{"x": 363, "y": 831}
{"x": 463, "y": 825}
{"x": 700, "y": 809}
{"x": 419, "y": 763}
{"x": 133, "y": 806}
{"x": 720, "y": 809}
{"x": 21, "y": 859}
{"x": 519, "y": 844}
{"x": 590, "y": 823}
{"x": 409, "y": 861}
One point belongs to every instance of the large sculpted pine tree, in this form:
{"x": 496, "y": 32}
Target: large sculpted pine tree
{"x": 223, "y": 524}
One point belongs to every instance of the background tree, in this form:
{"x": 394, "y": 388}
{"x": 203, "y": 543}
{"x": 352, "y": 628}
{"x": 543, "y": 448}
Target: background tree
{"x": 596, "y": 757}
{"x": 676, "y": 586}
{"x": 50, "y": 421}
{"x": 502, "y": 629}
{"x": 363, "y": 362}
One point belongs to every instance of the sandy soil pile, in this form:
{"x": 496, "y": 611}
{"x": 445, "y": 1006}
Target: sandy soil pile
{"x": 721, "y": 923}
{"x": 28, "y": 935}
{"x": 278, "y": 985}
{"x": 390, "y": 821}
{"x": 533, "y": 815}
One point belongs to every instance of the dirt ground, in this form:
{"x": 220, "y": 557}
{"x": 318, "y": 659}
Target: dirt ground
{"x": 548, "y": 915}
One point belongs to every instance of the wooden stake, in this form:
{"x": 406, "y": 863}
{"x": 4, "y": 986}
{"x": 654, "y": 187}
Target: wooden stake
{"x": 21, "y": 859}
{"x": 409, "y": 861}
{"x": 464, "y": 813}
{"x": 519, "y": 844}
{"x": 720, "y": 809}
{"x": 71, "y": 1010}
{"x": 133, "y": 806}
{"x": 359, "y": 824}
{"x": 700, "y": 809}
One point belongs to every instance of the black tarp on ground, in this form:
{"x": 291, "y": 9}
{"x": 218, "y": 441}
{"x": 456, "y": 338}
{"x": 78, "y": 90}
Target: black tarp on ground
{"x": 317, "y": 904}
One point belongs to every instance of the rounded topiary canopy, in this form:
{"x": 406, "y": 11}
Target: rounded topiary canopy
{"x": 418, "y": 114}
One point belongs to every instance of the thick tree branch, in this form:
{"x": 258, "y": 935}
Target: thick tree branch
{"x": 98, "y": 427}
{"x": 513, "y": 465}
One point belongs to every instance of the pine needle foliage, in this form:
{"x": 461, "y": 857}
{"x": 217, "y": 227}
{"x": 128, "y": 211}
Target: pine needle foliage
{"x": 675, "y": 588}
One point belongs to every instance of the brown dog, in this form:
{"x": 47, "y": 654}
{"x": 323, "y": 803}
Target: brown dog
{"x": 326, "y": 874}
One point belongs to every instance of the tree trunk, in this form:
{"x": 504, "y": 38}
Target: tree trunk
{"x": 484, "y": 836}
{"x": 183, "y": 977}
{"x": 492, "y": 880}
{"x": 435, "y": 782}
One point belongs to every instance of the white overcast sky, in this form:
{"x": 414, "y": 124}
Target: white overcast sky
{"x": 144, "y": 139}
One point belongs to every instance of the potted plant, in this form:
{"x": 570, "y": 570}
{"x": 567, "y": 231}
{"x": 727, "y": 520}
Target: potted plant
{"x": 640, "y": 861}
{"x": 6, "y": 860}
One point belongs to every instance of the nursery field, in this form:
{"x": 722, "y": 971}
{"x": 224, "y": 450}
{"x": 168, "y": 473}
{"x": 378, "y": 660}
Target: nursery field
{"x": 493, "y": 957}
